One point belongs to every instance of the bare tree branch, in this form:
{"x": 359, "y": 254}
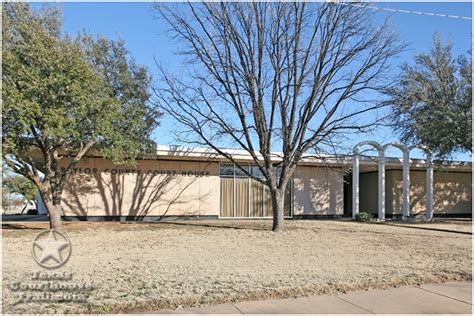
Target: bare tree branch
{"x": 274, "y": 77}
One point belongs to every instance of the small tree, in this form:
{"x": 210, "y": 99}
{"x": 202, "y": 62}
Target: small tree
{"x": 20, "y": 185}
{"x": 13, "y": 183}
{"x": 274, "y": 77}
{"x": 432, "y": 104}
{"x": 64, "y": 96}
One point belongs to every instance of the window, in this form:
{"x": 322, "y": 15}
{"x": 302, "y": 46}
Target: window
{"x": 227, "y": 170}
{"x": 256, "y": 172}
{"x": 242, "y": 196}
{"x": 227, "y": 197}
{"x": 240, "y": 173}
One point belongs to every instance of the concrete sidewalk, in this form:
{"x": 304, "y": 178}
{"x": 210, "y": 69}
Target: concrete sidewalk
{"x": 447, "y": 298}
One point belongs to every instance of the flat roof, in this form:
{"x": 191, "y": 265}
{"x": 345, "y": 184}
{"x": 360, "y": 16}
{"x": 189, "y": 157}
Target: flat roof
{"x": 367, "y": 163}
{"x": 240, "y": 155}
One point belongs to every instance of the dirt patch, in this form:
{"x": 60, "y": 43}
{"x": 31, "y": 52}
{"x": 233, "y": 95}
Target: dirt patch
{"x": 149, "y": 266}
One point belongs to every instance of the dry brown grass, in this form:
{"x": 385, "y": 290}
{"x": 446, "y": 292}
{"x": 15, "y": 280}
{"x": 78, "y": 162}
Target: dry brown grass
{"x": 142, "y": 266}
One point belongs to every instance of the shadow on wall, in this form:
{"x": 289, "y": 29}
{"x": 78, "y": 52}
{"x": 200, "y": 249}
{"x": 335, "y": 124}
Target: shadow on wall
{"x": 134, "y": 195}
{"x": 448, "y": 197}
{"x": 451, "y": 193}
{"x": 318, "y": 191}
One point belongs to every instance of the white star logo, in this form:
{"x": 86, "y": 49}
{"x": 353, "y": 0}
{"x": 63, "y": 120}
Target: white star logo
{"x": 51, "y": 249}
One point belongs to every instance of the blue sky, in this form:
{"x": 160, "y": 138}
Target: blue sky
{"x": 146, "y": 39}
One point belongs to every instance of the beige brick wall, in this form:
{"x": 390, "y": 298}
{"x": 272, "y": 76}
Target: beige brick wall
{"x": 318, "y": 191}
{"x": 159, "y": 189}
{"x": 452, "y": 192}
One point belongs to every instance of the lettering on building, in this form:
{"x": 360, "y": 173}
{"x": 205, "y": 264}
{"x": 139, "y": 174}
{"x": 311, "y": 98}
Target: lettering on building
{"x": 151, "y": 172}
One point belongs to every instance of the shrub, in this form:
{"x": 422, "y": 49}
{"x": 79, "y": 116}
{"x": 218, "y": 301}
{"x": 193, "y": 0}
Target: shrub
{"x": 364, "y": 217}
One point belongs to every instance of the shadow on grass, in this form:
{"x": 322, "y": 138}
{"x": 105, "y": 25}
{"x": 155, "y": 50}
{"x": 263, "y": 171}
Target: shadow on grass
{"x": 216, "y": 225}
{"x": 429, "y": 228}
{"x": 18, "y": 227}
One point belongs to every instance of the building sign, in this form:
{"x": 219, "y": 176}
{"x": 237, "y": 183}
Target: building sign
{"x": 151, "y": 172}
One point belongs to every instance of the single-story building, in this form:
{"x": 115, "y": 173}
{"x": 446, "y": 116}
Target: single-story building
{"x": 188, "y": 183}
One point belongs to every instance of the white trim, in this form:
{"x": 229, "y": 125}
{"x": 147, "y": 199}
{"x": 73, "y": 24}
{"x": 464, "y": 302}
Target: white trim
{"x": 242, "y": 156}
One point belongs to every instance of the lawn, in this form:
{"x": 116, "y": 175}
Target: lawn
{"x": 150, "y": 266}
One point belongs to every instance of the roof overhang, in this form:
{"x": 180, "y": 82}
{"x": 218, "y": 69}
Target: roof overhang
{"x": 367, "y": 163}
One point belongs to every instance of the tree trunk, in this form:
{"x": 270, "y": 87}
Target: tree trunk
{"x": 278, "y": 205}
{"x": 54, "y": 212}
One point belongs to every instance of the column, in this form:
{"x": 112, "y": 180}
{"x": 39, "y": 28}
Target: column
{"x": 429, "y": 189}
{"x": 381, "y": 183}
{"x": 355, "y": 184}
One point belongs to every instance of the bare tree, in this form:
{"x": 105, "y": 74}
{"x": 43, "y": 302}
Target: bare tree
{"x": 270, "y": 77}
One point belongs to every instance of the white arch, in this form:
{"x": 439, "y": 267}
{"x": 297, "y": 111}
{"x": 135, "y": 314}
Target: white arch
{"x": 381, "y": 178}
{"x": 406, "y": 176}
{"x": 429, "y": 178}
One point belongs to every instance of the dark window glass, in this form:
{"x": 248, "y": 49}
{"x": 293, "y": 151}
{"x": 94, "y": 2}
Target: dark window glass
{"x": 227, "y": 170}
{"x": 256, "y": 172}
{"x": 240, "y": 173}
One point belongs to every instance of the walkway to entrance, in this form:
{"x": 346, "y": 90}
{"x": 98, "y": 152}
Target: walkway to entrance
{"x": 448, "y": 298}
